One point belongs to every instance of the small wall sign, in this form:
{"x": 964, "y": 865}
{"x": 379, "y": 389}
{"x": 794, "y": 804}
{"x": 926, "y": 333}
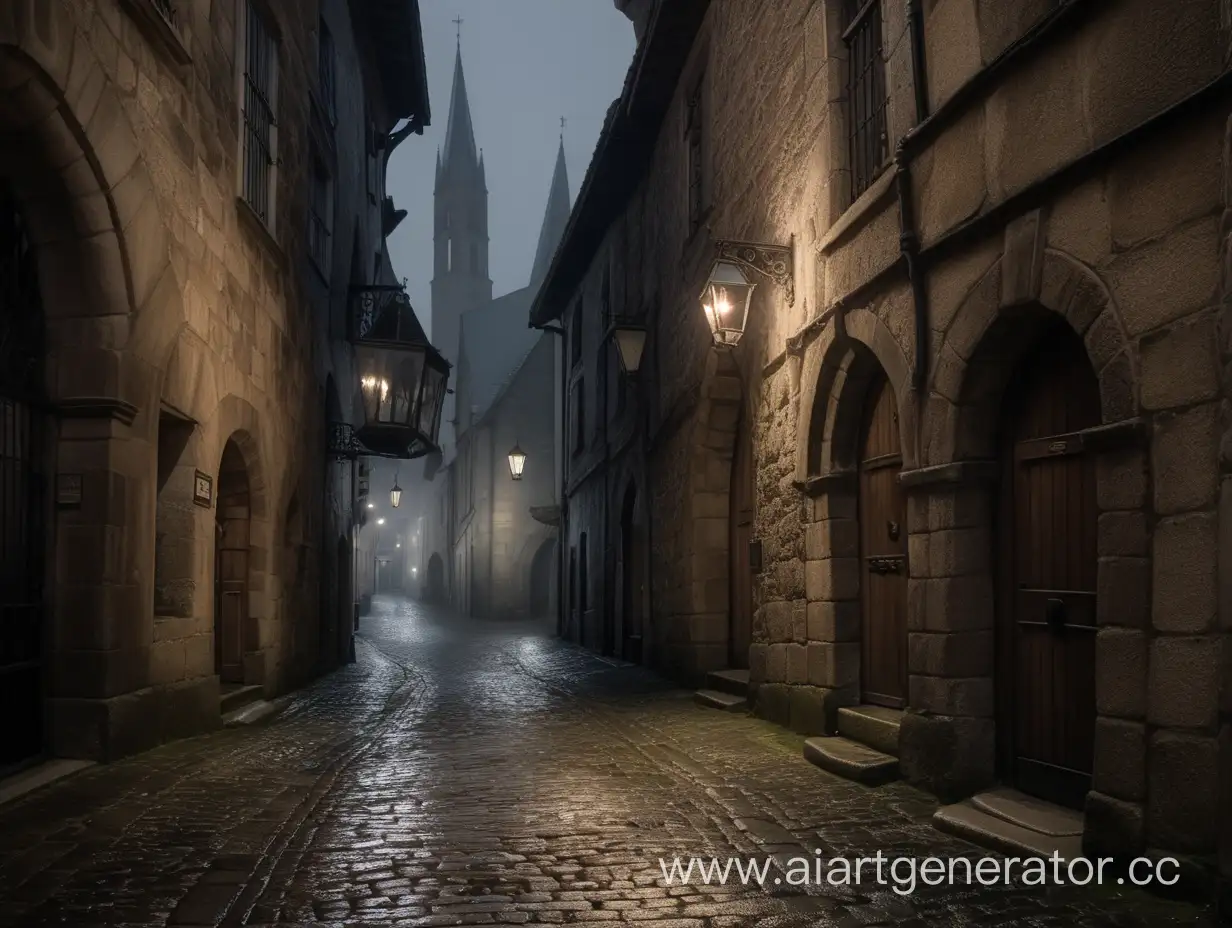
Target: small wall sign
{"x": 68, "y": 491}
{"x": 755, "y": 556}
{"x": 203, "y": 490}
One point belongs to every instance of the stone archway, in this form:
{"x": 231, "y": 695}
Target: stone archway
{"x": 950, "y": 745}
{"x": 435, "y": 589}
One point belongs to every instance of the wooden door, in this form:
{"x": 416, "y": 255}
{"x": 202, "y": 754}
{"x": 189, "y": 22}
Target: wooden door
{"x": 883, "y": 554}
{"x": 1046, "y": 633}
{"x": 742, "y": 505}
{"x": 231, "y": 592}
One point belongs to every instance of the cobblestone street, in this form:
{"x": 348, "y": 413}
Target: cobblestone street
{"x": 465, "y": 773}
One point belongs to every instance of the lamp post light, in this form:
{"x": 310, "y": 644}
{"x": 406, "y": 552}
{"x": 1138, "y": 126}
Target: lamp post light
{"x": 517, "y": 462}
{"x": 395, "y": 495}
{"x": 729, "y": 289}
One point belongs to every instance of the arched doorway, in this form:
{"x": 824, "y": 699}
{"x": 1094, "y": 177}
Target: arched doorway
{"x": 1047, "y": 573}
{"x": 742, "y": 501}
{"x": 233, "y": 536}
{"x": 632, "y": 577}
{"x": 883, "y": 552}
{"x": 23, "y": 474}
{"x": 436, "y": 579}
{"x": 543, "y": 580}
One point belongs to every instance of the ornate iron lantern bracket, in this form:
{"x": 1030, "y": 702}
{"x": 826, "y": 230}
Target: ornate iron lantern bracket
{"x": 773, "y": 261}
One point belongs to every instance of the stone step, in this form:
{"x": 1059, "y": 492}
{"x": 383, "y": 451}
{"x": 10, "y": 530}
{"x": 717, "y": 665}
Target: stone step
{"x": 233, "y": 696}
{"x": 735, "y": 682}
{"x": 1029, "y": 812}
{"x": 875, "y": 726}
{"x": 713, "y": 699}
{"x": 967, "y": 820}
{"x": 851, "y": 760}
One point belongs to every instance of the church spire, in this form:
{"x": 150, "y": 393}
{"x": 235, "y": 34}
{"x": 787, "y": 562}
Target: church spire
{"x": 555, "y": 218}
{"x": 460, "y": 148}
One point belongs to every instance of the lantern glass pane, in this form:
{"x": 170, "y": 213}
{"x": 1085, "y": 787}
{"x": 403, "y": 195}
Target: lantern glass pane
{"x": 389, "y": 382}
{"x": 430, "y": 407}
{"x": 631, "y": 344}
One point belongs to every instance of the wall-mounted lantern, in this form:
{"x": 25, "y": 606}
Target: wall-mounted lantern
{"x": 729, "y": 289}
{"x": 630, "y": 340}
{"x": 401, "y": 375}
{"x": 517, "y": 462}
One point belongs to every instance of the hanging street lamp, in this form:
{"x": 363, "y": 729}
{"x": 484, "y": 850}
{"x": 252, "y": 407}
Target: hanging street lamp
{"x": 517, "y": 462}
{"x": 395, "y": 494}
{"x": 401, "y": 375}
{"x": 729, "y": 288}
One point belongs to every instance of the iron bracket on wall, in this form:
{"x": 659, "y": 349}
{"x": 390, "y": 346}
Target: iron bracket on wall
{"x": 773, "y": 261}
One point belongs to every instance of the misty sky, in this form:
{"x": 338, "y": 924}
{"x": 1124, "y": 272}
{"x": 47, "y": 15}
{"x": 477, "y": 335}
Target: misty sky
{"x": 527, "y": 63}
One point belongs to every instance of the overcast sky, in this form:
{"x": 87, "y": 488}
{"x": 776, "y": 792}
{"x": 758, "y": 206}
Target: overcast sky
{"x": 527, "y": 63}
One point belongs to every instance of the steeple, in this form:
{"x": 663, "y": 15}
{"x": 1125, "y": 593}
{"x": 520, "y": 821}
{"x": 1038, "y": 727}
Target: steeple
{"x": 460, "y": 149}
{"x": 555, "y": 218}
{"x": 460, "y": 280}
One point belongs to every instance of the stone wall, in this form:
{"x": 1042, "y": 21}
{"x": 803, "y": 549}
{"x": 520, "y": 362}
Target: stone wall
{"x": 177, "y": 323}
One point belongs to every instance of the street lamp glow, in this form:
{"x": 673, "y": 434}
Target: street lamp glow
{"x": 395, "y": 495}
{"x": 398, "y": 545}
{"x": 372, "y": 505}
{"x": 725, "y": 301}
{"x": 414, "y": 571}
{"x": 380, "y": 521}
{"x": 517, "y": 462}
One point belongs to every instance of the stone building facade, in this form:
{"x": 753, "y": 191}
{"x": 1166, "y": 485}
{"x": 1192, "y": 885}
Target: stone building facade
{"x": 199, "y": 187}
{"x": 987, "y": 412}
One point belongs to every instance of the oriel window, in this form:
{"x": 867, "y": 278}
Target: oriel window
{"x": 866, "y": 93}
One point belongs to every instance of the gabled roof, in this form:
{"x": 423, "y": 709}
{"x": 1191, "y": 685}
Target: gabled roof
{"x": 493, "y": 343}
{"x": 625, "y": 149}
{"x": 555, "y": 218}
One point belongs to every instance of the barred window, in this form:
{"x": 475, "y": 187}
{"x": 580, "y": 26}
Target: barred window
{"x": 694, "y": 124}
{"x": 866, "y": 93}
{"x": 320, "y": 216}
{"x": 260, "y": 125}
{"x": 326, "y": 80}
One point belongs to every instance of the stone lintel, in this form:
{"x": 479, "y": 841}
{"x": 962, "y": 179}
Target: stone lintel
{"x": 1117, "y": 436}
{"x": 955, "y": 473}
{"x": 98, "y": 407}
{"x": 839, "y": 481}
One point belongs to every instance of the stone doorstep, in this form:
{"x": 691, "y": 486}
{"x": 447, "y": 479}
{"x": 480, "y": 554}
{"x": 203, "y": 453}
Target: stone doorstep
{"x": 851, "y": 760}
{"x": 735, "y": 682}
{"x": 1028, "y": 812}
{"x": 254, "y": 712}
{"x": 234, "y": 696}
{"x": 967, "y": 820}
{"x": 875, "y": 726}
{"x": 713, "y": 699}
{"x": 44, "y": 774}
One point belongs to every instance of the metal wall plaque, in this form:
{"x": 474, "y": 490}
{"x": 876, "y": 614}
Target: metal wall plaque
{"x": 203, "y": 490}
{"x": 68, "y": 491}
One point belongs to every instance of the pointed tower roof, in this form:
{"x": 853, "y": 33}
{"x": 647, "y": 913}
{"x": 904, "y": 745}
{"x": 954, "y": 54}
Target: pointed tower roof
{"x": 555, "y": 218}
{"x": 460, "y": 145}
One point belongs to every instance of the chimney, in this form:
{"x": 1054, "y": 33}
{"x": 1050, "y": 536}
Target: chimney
{"x": 639, "y": 12}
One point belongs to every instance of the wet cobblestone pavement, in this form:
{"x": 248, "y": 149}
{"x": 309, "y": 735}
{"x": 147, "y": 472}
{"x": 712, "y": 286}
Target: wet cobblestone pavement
{"x": 463, "y": 773}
